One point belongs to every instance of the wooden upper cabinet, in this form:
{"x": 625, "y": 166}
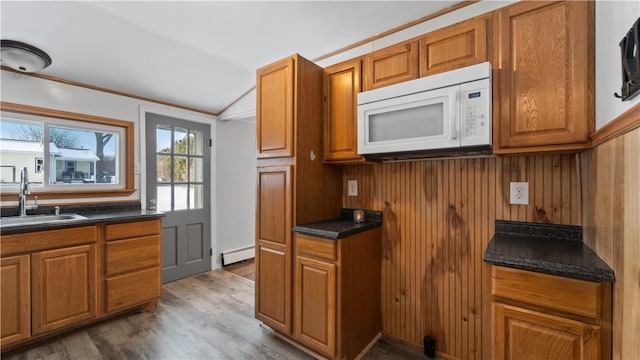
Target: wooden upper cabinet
{"x": 275, "y": 107}
{"x": 340, "y": 90}
{"x": 15, "y": 309}
{"x": 391, "y": 65}
{"x": 453, "y": 47}
{"x": 544, "y": 76}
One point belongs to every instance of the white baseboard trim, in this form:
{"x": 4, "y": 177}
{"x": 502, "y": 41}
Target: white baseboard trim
{"x": 233, "y": 256}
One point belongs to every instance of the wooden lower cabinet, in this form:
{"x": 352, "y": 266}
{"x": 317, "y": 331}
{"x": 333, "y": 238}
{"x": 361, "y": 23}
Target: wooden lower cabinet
{"x": 273, "y": 287}
{"x": 337, "y": 293}
{"x": 521, "y": 333}
{"x": 54, "y": 280}
{"x": 541, "y": 316}
{"x": 315, "y": 303}
{"x": 273, "y": 247}
{"x": 64, "y": 287}
{"x": 132, "y": 264}
{"x": 15, "y": 308}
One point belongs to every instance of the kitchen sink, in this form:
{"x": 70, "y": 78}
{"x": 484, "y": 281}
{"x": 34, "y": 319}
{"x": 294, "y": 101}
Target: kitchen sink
{"x": 37, "y": 219}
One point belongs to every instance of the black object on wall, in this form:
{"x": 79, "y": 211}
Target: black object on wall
{"x": 629, "y": 49}
{"x": 429, "y": 346}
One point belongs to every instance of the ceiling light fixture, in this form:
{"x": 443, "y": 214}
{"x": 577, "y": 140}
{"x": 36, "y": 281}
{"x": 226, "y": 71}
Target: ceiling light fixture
{"x": 23, "y": 57}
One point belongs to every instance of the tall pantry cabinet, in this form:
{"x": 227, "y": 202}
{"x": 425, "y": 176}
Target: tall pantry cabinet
{"x": 293, "y": 185}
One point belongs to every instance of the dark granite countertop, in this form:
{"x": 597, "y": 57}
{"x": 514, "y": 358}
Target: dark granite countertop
{"x": 546, "y": 248}
{"x": 94, "y": 213}
{"x": 342, "y": 226}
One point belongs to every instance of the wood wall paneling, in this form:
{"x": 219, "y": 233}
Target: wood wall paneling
{"x": 611, "y": 218}
{"x": 438, "y": 218}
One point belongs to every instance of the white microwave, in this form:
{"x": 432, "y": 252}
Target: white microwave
{"x": 440, "y": 115}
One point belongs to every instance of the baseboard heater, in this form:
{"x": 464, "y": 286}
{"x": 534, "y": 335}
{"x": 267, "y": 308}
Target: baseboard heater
{"x": 234, "y": 256}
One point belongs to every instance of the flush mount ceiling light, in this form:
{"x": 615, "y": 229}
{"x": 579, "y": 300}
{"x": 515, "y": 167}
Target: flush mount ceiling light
{"x": 23, "y": 57}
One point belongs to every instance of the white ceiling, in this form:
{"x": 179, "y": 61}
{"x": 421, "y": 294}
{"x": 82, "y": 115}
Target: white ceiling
{"x": 200, "y": 54}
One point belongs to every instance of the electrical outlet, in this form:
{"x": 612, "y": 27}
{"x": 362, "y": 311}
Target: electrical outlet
{"x": 352, "y": 185}
{"x": 519, "y": 193}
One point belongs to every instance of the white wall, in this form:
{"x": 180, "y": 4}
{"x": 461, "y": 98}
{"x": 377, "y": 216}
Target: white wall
{"x": 613, "y": 20}
{"x": 236, "y": 184}
{"x": 29, "y": 90}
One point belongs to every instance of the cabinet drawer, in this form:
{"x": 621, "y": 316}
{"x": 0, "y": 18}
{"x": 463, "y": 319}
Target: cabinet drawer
{"x": 132, "y": 229}
{"x": 321, "y": 248}
{"x": 573, "y": 296}
{"x": 49, "y": 239}
{"x": 133, "y": 289}
{"x": 132, "y": 254}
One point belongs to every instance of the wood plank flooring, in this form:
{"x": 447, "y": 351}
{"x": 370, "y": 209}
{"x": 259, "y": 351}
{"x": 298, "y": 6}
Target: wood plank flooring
{"x": 246, "y": 269}
{"x": 207, "y": 316}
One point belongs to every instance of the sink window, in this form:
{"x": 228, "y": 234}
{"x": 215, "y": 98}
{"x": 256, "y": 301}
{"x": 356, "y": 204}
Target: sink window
{"x": 63, "y": 154}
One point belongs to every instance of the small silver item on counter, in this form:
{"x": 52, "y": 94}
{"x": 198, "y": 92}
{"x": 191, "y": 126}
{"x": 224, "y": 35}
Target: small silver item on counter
{"x": 358, "y": 216}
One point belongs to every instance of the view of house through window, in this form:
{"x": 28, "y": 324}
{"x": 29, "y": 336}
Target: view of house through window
{"x": 75, "y": 154}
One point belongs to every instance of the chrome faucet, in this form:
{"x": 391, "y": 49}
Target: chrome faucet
{"x": 24, "y": 191}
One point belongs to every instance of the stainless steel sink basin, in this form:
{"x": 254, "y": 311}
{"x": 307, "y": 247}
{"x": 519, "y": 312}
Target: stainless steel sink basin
{"x": 37, "y": 219}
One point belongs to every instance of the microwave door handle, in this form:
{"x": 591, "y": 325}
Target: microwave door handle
{"x": 453, "y": 130}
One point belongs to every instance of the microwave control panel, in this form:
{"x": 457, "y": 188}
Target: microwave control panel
{"x": 475, "y": 110}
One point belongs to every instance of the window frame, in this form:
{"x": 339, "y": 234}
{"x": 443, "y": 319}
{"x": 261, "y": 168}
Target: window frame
{"x": 67, "y": 193}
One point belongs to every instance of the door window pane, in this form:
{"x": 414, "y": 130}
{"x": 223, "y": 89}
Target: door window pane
{"x": 164, "y": 197}
{"x": 196, "y": 147}
{"x": 163, "y": 140}
{"x": 197, "y": 197}
{"x": 180, "y": 169}
{"x": 180, "y": 141}
{"x": 163, "y": 168}
{"x": 180, "y": 197}
{"x": 195, "y": 169}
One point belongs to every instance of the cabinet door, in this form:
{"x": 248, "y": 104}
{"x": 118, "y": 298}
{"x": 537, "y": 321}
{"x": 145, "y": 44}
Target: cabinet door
{"x": 545, "y": 78}
{"x": 273, "y": 247}
{"x": 274, "y": 114}
{"x": 341, "y": 88}
{"x": 527, "y": 334}
{"x": 64, "y": 287}
{"x": 15, "y": 310}
{"x": 315, "y": 304}
{"x": 391, "y": 65}
{"x": 453, "y": 47}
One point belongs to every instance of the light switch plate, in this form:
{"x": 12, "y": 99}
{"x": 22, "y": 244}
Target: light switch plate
{"x": 519, "y": 193}
{"x": 352, "y": 186}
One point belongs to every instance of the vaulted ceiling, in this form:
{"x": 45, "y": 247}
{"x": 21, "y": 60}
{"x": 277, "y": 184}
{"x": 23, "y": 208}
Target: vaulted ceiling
{"x": 199, "y": 54}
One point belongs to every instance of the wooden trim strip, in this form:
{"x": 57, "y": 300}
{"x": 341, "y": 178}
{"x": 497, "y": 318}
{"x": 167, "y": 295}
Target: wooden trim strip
{"x": 110, "y": 91}
{"x": 128, "y": 156}
{"x": 397, "y": 29}
{"x": 236, "y": 100}
{"x": 624, "y": 123}
{"x": 69, "y": 194}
